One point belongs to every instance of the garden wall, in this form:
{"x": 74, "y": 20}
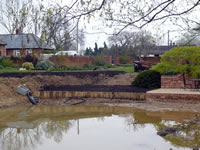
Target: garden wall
{"x": 176, "y": 81}
{"x": 81, "y": 60}
{"x": 172, "y": 97}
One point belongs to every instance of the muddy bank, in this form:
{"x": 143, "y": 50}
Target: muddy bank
{"x": 9, "y": 97}
{"x": 34, "y": 81}
{"x": 155, "y": 106}
{"x": 96, "y": 88}
{"x": 151, "y": 106}
{"x": 63, "y": 74}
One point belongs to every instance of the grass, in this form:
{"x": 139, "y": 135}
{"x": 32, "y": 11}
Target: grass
{"x": 9, "y": 69}
{"x": 16, "y": 69}
{"x": 125, "y": 68}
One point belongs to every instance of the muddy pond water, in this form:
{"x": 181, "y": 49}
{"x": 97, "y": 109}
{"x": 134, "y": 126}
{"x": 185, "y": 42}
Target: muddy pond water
{"x": 92, "y": 128}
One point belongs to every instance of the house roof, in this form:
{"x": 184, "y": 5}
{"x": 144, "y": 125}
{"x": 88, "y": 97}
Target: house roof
{"x": 2, "y": 43}
{"x": 23, "y": 41}
{"x": 159, "y": 50}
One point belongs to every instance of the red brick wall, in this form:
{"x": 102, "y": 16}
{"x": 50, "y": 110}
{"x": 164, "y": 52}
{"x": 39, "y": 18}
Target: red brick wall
{"x": 108, "y": 59}
{"x": 172, "y": 97}
{"x": 172, "y": 81}
{"x": 116, "y": 60}
{"x": 9, "y": 52}
{"x": 72, "y": 60}
{"x": 81, "y": 60}
{"x": 176, "y": 81}
{"x": 3, "y": 50}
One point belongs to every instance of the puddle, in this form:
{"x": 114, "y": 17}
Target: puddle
{"x": 91, "y": 128}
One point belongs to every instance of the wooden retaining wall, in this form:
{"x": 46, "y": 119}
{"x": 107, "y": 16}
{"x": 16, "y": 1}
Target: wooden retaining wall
{"x": 109, "y": 95}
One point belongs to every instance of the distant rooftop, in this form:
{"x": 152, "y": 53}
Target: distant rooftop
{"x": 23, "y": 41}
{"x": 159, "y": 50}
{"x": 2, "y": 43}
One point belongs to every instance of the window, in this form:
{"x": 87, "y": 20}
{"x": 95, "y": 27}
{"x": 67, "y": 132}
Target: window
{"x": 16, "y": 53}
{"x": 28, "y": 51}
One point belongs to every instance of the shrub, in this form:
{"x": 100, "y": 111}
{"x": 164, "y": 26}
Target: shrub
{"x": 17, "y": 61}
{"x": 28, "y": 65}
{"x": 109, "y": 66}
{"x": 99, "y": 60}
{"x": 6, "y": 62}
{"x": 61, "y": 68}
{"x": 125, "y": 60}
{"x": 180, "y": 60}
{"x": 45, "y": 65}
{"x": 30, "y": 58}
{"x": 49, "y": 51}
{"x": 86, "y": 66}
{"x": 148, "y": 79}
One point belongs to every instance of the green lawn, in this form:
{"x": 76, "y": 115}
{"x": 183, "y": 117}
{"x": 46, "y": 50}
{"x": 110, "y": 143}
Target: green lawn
{"x": 125, "y": 68}
{"x": 16, "y": 69}
{"x": 9, "y": 69}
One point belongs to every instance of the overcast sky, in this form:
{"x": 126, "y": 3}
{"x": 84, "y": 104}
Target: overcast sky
{"x": 96, "y": 31}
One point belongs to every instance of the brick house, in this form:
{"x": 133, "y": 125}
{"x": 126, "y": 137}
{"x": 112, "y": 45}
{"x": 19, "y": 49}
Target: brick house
{"x": 2, "y": 48}
{"x": 21, "y": 44}
{"x": 154, "y": 54}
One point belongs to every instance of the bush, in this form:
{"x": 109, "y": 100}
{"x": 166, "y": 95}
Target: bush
{"x": 125, "y": 60}
{"x": 30, "y": 58}
{"x": 148, "y": 79}
{"x": 61, "y": 68}
{"x": 99, "y": 60}
{"x": 17, "y": 61}
{"x": 6, "y": 62}
{"x": 28, "y": 65}
{"x": 45, "y": 65}
{"x": 180, "y": 60}
{"x": 109, "y": 66}
{"x": 86, "y": 66}
{"x": 49, "y": 51}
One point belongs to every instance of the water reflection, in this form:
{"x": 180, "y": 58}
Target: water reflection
{"x": 31, "y": 127}
{"x": 22, "y": 138}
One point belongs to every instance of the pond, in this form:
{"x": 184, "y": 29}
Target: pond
{"x": 90, "y": 128}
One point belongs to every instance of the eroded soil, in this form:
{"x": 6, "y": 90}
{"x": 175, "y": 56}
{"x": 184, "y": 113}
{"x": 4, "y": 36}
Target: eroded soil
{"x": 9, "y": 97}
{"x": 34, "y": 81}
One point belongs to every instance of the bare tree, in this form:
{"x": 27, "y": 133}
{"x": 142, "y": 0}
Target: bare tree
{"x": 15, "y": 15}
{"x": 121, "y": 14}
{"x": 189, "y": 38}
{"x": 58, "y": 30}
{"x": 132, "y": 43}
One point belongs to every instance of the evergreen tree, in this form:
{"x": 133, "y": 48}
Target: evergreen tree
{"x": 96, "y": 49}
{"x": 88, "y": 52}
{"x": 105, "y": 45}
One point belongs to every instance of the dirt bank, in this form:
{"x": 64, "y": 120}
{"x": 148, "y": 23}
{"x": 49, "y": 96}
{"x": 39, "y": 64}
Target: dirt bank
{"x": 94, "y": 88}
{"x": 9, "y": 97}
{"x": 34, "y": 81}
{"x": 152, "y": 106}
